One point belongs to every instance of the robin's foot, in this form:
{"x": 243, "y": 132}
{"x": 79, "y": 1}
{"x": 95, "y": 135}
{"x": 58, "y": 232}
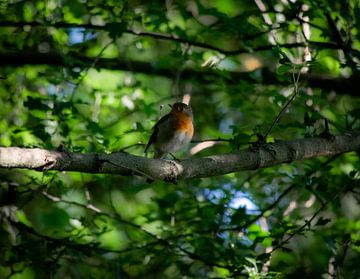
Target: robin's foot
{"x": 261, "y": 144}
{"x": 173, "y": 157}
{"x": 261, "y": 141}
{"x": 326, "y": 133}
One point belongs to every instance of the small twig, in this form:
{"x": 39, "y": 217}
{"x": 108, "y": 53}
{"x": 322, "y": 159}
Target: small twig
{"x": 301, "y": 20}
{"x": 276, "y": 202}
{"x": 307, "y": 222}
{"x": 340, "y": 41}
{"x": 96, "y": 59}
{"x": 262, "y": 212}
{"x": 296, "y": 90}
{"x": 340, "y": 258}
{"x": 291, "y": 235}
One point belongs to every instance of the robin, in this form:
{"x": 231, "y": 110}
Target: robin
{"x": 173, "y": 131}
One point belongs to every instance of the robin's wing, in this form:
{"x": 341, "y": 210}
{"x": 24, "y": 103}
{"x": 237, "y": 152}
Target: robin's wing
{"x": 156, "y": 130}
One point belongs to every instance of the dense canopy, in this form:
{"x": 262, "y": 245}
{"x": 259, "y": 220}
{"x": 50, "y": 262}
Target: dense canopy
{"x": 273, "y": 81}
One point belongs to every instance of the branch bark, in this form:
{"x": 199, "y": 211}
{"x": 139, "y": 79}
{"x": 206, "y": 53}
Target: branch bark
{"x": 127, "y": 164}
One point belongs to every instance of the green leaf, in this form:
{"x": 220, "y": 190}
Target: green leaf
{"x": 116, "y": 29}
{"x": 283, "y": 69}
{"x": 35, "y": 103}
{"x": 284, "y": 59}
{"x": 353, "y": 173}
{"x": 322, "y": 221}
{"x": 239, "y": 217}
{"x": 357, "y": 15}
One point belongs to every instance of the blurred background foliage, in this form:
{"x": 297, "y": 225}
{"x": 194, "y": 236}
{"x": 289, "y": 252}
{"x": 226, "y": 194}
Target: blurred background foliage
{"x": 96, "y": 75}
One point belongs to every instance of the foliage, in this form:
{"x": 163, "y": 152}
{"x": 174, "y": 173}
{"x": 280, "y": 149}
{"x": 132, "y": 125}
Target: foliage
{"x": 94, "y": 75}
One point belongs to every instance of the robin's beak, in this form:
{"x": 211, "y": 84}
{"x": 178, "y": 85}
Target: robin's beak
{"x": 170, "y": 105}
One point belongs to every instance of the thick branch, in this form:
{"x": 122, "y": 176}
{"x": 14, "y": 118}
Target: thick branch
{"x": 341, "y": 85}
{"x": 126, "y": 164}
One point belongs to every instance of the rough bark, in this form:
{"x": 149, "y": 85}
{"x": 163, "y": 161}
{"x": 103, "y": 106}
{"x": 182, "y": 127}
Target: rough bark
{"x": 127, "y": 164}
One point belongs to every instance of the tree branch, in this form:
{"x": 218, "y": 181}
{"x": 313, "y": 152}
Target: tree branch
{"x": 127, "y": 164}
{"x": 174, "y": 38}
{"x": 349, "y": 86}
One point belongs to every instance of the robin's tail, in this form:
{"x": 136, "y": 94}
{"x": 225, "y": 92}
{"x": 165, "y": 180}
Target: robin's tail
{"x": 147, "y": 147}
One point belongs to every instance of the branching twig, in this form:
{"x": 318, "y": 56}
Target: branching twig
{"x": 296, "y": 90}
{"x": 158, "y": 239}
{"x": 340, "y": 41}
{"x": 86, "y": 70}
{"x": 307, "y": 222}
{"x": 262, "y": 212}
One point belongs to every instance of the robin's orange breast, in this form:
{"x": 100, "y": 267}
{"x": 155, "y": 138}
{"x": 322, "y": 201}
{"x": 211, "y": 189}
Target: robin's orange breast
{"x": 184, "y": 124}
